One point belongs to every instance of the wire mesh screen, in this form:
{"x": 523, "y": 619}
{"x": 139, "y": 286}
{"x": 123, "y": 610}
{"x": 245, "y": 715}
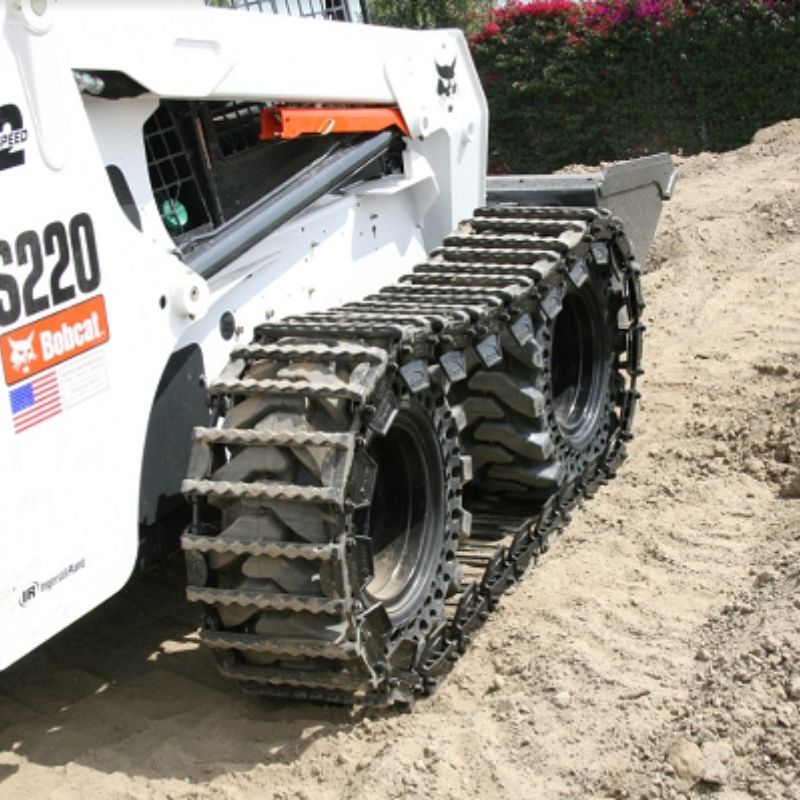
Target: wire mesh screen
{"x": 175, "y": 185}
{"x": 236, "y": 126}
{"x": 324, "y": 9}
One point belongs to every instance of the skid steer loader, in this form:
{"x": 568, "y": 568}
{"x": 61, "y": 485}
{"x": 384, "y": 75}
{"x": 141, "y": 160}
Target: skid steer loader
{"x": 259, "y": 300}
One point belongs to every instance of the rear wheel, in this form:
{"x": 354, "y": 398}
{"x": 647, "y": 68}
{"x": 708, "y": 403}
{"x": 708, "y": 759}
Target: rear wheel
{"x": 582, "y": 353}
{"x": 539, "y": 422}
{"x": 579, "y": 368}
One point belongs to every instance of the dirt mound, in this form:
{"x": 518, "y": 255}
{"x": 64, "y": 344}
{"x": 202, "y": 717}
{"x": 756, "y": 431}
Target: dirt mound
{"x": 743, "y": 706}
{"x": 652, "y": 653}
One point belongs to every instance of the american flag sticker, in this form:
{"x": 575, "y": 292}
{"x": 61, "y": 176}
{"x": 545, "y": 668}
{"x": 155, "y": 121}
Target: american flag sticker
{"x": 35, "y": 401}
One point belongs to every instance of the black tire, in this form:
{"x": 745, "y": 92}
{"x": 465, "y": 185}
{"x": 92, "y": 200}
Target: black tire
{"x": 395, "y": 533}
{"x": 540, "y": 422}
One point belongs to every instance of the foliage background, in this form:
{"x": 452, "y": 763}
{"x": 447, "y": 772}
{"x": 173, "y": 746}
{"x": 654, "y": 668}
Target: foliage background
{"x": 579, "y": 83}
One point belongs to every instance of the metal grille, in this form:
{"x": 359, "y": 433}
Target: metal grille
{"x": 175, "y": 186}
{"x": 236, "y": 126}
{"x": 325, "y": 9}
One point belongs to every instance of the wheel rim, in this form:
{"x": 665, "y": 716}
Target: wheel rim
{"x": 579, "y": 368}
{"x": 405, "y": 520}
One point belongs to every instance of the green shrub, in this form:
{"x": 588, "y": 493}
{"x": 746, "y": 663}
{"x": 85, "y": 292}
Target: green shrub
{"x": 577, "y": 83}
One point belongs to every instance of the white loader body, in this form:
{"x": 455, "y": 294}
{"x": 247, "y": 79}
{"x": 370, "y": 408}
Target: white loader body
{"x": 92, "y": 306}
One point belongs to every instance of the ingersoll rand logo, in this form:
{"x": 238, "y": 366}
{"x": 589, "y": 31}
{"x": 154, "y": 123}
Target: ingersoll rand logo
{"x": 29, "y": 594}
{"x": 37, "y": 589}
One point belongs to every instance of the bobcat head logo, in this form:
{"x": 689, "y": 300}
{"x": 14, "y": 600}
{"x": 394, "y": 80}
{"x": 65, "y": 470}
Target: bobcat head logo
{"x": 447, "y": 79}
{"x": 22, "y": 354}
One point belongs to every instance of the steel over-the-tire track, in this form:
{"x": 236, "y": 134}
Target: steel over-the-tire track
{"x": 464, "y": 344}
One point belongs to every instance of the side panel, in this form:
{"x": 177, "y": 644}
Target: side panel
{"x": 84, "y": 339}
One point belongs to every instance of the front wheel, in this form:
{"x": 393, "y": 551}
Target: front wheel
{"x": 330, "y": 531}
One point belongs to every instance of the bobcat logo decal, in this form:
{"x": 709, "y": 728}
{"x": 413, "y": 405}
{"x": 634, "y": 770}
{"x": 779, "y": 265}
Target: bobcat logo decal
{"x": 22, "y": 354}
{"x": 447, "y": 86}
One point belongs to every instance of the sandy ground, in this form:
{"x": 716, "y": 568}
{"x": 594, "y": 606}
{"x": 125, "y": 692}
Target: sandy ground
{"x": 654, "y": 652}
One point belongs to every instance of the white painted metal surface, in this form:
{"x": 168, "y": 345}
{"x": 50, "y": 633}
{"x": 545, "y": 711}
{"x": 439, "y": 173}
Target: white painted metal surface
{"x": 91, "y": 308}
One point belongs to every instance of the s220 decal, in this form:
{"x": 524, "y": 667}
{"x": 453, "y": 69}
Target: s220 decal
{"x": 43, "y": 271}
